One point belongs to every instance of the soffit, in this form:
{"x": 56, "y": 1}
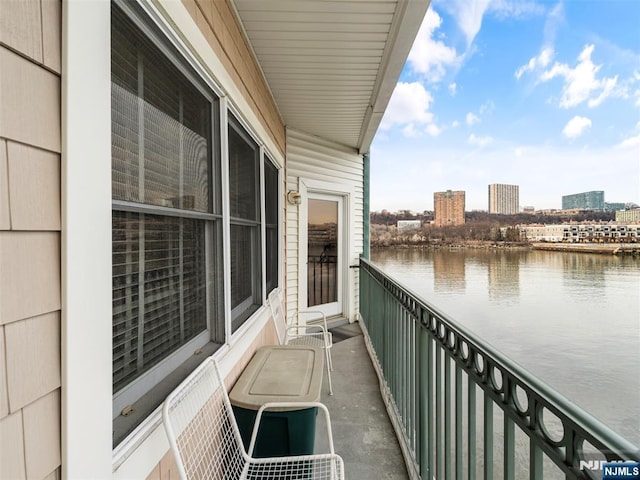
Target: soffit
{"x": 331, "y": 66}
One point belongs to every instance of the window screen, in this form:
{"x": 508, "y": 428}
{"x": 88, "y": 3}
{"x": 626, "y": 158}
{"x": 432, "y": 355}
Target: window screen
{"x": 166, "y": 219}
{"x": 271, "y": 223}
{"x": 244, "y": 202}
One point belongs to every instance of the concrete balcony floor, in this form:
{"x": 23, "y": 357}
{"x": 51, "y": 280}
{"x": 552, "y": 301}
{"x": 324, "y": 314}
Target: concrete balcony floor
{"x": 362, "y": 432}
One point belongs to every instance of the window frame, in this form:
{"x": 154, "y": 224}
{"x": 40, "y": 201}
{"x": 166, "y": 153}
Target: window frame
{"x": 277, "y": 195}
{"x": 242, "y": 312}
{"x": 231, "y": 102}
{"x": 212, "y": 337}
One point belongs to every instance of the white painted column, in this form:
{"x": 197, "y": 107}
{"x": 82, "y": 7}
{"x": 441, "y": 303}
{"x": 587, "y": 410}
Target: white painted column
{"x": 86, "y": 240}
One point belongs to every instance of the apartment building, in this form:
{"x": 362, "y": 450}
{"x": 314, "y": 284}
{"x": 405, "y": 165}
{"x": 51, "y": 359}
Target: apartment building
{"x": 448, "y": 208}
{"x": 504, "y": 199}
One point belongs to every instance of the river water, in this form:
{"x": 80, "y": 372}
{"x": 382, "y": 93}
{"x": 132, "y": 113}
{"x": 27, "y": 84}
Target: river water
{"x": 572, "y": 319}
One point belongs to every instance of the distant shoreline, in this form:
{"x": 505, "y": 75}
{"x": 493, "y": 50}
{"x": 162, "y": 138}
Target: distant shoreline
{"x": 595, "y": 248}
{"x": 600, "y": 248}
{"x": 478, "y": 244}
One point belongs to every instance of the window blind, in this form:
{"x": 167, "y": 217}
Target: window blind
{"x": 161, "y": 156}
{"x": 159, "y": 289}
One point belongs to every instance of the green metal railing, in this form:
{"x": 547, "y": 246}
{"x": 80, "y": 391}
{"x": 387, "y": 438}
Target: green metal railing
{"x": 465, "y": 410}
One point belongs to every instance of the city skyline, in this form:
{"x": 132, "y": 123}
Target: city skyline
{"x": 541, "y": 95}
{"x": 521, "y": 207}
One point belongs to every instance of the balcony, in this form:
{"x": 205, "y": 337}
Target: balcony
{"x": 460, "y": 408}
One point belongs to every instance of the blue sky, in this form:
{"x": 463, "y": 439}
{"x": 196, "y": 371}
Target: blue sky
{"x": 540, "y": 94}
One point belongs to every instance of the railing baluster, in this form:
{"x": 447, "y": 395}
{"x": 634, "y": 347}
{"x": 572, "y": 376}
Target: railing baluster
{"x": 430, "y": 393}
{"x": 488, "y": 436}
{"x": 413, "y": 364}
{"x": 535, "y": 461}
{"x": 423, "y": 405}
{"x": 458, "y": 422}
{"x": 509, "y": 437}
{"x": 471, "y": 394}
{"x": 447, "y": 415}
{"x": 438, "y": 393}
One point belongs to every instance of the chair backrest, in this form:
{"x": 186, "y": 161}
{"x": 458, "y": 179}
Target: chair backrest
{"x": 201, "y": 428}
{"x": 279, "y": 317}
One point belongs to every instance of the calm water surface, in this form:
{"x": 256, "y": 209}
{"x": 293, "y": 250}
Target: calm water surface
{"x": 572, "y": 319}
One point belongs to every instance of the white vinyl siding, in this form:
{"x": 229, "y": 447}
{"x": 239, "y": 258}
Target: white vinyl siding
{"x": 315, "y": 159}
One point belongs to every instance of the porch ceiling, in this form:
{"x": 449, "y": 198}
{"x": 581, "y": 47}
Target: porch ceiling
{"x": 332, "y": 65}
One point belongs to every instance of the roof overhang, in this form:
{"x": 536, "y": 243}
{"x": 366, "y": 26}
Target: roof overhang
{"x": 332, "y": 66}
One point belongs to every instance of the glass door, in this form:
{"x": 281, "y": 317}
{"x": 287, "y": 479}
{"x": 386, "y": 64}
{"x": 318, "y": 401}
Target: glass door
{"x": 324, "y": 254}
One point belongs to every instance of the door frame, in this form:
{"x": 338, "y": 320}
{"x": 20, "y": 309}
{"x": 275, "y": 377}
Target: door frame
{"x": 308, "y": 186}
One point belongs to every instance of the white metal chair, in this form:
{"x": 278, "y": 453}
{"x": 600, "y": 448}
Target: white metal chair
{"x": 315, "y": 335}
{"x": 206, "y": 442}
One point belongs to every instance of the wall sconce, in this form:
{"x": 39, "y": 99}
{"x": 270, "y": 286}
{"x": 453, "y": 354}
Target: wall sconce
{"x": 294, "y": 198}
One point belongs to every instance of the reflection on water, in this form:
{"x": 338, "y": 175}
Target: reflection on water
{"x": 504, "y": 276}
{"x": 448, "y": 272}
{"x": 572, "y": 319}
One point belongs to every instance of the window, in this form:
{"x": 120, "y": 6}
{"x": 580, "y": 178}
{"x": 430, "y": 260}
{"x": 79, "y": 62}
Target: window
{"x": 166, "y": 214}
{"x": 168, "y": 279}
{"x": 271, "y": 194}
{"x": 244, "y": 206}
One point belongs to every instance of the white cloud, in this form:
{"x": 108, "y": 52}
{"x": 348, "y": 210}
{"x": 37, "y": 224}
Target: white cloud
{"x": 409, "y": 131}
{"x": 576, "y": 126}
{"x": 554, "y": 20}
{"x": 472, "y": 118}
{"x": 479, "y": 141}
{"x": 487, "y": 107}
{"x": 630, "y": 142}
{"x": 453, "y": 88}
{"x": 468, "y": 15}
{"x": 433, "y": 130}
{"x": 515, "y": 9}
{"x": 580, "y": 83}
{"x": 429, "y": 56}
{"x": 455, "y": 124}
{"x": 408, "y": 105}
{"x": 542, "y": 60}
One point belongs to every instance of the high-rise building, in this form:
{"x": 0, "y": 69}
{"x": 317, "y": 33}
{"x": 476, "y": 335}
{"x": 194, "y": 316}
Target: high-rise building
{"x": 593, "y": 200}
{"x": 504, "y": 199}
{"x": 448, "y": 208}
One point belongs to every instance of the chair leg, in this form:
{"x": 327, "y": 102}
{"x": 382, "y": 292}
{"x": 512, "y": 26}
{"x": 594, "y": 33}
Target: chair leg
{"x": 328, "y": 362}
{"x": 330, "y": 358}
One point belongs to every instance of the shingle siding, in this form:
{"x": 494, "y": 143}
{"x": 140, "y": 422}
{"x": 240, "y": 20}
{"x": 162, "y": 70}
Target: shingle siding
{"x": 30, "y": 291}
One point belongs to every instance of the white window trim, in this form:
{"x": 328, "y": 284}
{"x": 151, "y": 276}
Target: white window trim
{"x": 86, "y": 240}
{"x": 265, "y": 157}
{"x": 263, "y": 226}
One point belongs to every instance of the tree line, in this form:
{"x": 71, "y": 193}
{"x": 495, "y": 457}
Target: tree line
{"x": 479, "y": 227}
